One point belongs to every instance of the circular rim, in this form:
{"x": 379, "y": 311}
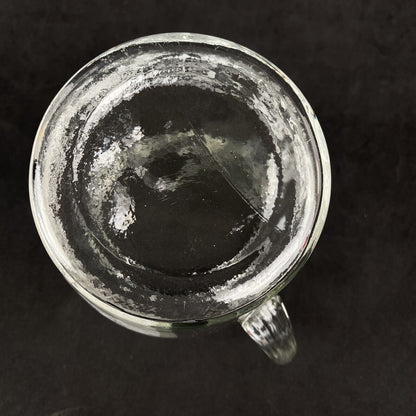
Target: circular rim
{"x": 141, "y": 323}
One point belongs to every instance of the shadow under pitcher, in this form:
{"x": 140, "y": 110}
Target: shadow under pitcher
{"x": 180, "y": 181}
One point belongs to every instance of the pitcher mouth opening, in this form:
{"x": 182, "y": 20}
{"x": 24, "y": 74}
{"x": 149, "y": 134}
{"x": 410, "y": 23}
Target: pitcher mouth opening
{"x": 110, "y": 214}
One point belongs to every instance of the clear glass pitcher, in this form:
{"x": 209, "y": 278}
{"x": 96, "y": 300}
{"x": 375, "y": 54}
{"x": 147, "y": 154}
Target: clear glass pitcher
{"x": 180, "y": 181}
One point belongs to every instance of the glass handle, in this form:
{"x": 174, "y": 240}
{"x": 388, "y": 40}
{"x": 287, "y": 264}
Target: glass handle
{"x": 269, "y": 325}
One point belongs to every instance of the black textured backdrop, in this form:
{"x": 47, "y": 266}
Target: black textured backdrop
{"x": 353, "y": 305}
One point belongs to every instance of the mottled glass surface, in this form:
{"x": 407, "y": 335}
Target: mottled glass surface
{"x": 176, "y": 179}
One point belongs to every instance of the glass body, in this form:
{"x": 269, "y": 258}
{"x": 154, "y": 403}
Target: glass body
{"x": 180, "y": 181}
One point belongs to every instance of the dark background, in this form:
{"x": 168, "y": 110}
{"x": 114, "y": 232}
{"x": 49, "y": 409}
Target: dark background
{"x": 353, "y": 305}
